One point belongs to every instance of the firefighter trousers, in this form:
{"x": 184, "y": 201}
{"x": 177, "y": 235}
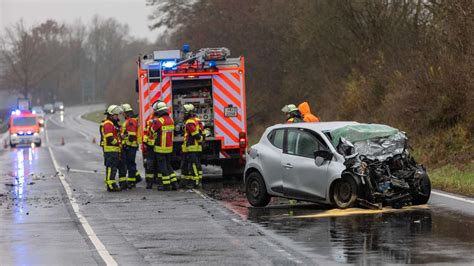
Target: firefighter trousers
{"x": 151, "y": 168}
{"x": 192, "y": 169}
{"x": 162, "y": 165}
{"x": 122, "y": 170}
{"x": 111, "y": 162}
{"x": 133, "y": 176}
{"x": 173, "y": 178}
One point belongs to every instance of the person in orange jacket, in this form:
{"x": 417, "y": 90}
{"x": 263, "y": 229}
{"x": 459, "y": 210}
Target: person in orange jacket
{"x": 306, "y": 113}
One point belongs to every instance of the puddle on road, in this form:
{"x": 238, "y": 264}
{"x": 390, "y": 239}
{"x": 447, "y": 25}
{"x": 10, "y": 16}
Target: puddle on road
{"x": 417, "y": 234}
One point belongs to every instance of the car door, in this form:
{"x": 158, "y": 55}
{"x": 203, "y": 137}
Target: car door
{"x": 270, "y": 157}
{"x": 303, "y": 176}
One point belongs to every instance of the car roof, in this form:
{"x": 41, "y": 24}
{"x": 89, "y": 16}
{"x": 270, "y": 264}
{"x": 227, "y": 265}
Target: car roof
{"x": 316, "y": 126}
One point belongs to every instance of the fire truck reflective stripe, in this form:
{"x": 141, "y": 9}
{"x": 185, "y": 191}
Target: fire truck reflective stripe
{"x": 223, "y": 92}
{"x": 221, "y": 104}
{"x": 236, "y": 76}
{"x": 235, "y": 126}
{"x": 219, "y": 109}
{"x": 226, "y": 77}
{"x": 224, "y": 87}
{"x": 223, "y": 128}
{"x": 153, "y": 91}
{"x": 224, "y": 155}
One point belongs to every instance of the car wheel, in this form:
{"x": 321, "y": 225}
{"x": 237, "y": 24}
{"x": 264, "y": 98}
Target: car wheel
{"x": 424, "y": 191}
{"x": 256, "y": 190}
{"x": 38, "y": 144}
{"x": 344, "y": 194}
{"x": 12, "y": 145}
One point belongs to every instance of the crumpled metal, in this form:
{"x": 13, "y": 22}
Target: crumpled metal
{"x": 381, "y": 148}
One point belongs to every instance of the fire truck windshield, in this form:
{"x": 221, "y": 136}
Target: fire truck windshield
{"x": 24, "y": 121}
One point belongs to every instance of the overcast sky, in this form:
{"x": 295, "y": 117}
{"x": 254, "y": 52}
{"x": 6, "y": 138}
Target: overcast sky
{"x": 132, "y": 12}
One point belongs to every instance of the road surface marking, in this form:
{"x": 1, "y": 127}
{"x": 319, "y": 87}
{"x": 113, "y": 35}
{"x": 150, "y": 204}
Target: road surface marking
{"x": 103, "y": 252}
{"x": 452, "y": 197}
{"x": 356, "y": 211}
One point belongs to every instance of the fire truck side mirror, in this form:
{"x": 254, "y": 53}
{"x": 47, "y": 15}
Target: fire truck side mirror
{"x": 137, "y": 89}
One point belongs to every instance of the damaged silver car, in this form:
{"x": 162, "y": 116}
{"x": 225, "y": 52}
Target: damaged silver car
{"x": 339, "y": 163}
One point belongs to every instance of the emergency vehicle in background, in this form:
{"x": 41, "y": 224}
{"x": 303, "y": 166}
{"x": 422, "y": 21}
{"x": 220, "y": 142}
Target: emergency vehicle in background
{"x": 24, "y": 128}
{"x": 215, "y": 84}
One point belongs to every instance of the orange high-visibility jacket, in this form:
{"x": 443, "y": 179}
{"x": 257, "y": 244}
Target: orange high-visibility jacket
{"x": 306, "y": 113}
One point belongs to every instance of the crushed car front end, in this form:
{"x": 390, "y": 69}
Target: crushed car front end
{"x": 378, "y": 157}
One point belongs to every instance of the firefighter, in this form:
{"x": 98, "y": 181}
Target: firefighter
{"x": 293, "y": 115}
{"x": 151, "y": 169}
{"x": 110, "y": 142}
{"x": 192, "y": 149}
{"x": 130, "y": 133}
{"x": 163, "y": 133}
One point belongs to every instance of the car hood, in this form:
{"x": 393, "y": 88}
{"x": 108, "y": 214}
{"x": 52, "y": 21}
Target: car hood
{"x": 372, "y": 140}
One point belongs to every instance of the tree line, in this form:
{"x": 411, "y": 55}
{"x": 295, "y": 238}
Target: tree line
{"x": 406, "y": 63}
{"x": 73, "y": 63}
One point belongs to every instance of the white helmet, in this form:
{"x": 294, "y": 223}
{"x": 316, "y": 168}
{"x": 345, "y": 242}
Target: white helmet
{"x": 188, "y": 108}
{"x": 289, "y": 108}
{"x": 160, "y": 106}
{"x": 127, "y": 108}
{"x": 113, "y": 109}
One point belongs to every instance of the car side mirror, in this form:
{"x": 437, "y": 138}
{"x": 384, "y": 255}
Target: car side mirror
{"x": 326, "y": 155}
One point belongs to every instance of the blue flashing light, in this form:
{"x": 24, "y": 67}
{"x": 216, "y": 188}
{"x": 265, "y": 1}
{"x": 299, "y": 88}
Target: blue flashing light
{"x": 168, "y": 64}
{"x": 16, "y": 112}
{"x": 212, "y": 64}
{"x": 186, "y": 48}
{"x": 34, "y": 112}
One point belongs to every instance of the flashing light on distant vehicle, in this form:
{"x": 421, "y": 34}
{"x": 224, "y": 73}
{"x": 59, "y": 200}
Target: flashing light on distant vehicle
{"x": 16, "y": 112}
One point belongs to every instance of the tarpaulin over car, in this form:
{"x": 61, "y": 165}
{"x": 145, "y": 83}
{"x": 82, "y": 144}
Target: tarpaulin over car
{"x": 360, "y": 132}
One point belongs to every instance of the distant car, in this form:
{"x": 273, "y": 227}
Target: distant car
{"x": 58, "y": 106}
{"x": 48, "y": 108}
{"x": 318, "y": 162}
{"x": 24, "y": 128}
{"x": 38, "y": 110}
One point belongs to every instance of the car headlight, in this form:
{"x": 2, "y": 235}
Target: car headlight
{"x": 36, "y": 134}
{"x": 14, "y": 135}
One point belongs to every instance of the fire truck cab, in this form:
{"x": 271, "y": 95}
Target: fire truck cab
{"x": 215, "y": 84}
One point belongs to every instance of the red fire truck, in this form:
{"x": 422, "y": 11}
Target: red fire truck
{"x": 215, "y": 84}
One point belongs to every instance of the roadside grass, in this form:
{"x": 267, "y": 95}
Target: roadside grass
{"x": 455, "y": 179}
{"x": 96, "y": 116}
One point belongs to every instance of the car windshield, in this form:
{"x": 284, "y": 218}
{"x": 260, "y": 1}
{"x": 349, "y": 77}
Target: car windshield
{"x": 58, "y": 103}
{"x": 48, "y": 106}
{"x": 24, "y": 121}
{"x": 37, "y": 109}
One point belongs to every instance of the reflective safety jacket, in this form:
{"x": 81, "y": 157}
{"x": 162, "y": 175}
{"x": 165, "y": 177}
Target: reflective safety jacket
{"x": 130, "y": 132}
{"x": 294, "y": 120}
{"x": 306, "y": 113}
{"x": 148, "y": 138}
{"x": 192, "y": 136}
{"x": 163, "y": 133}
{"x": 109, "y": 136}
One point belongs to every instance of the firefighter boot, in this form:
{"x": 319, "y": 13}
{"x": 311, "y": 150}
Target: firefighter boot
{"x": 114, "y": 188}
{"x": 174, "y": 185}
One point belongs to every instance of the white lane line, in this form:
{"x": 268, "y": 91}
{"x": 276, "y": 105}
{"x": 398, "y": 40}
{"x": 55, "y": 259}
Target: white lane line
{"x": 452, "y": 197}
{"x": 103, "y": 252}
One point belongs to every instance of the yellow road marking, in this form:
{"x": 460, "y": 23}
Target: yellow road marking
{"x": 358, "y": 211}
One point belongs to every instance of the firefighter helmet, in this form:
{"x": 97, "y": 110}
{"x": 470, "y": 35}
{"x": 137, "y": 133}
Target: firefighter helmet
{"x": 127, "y": 108}
{"x": 188, "y": 108}
{"x": 289, "y": 108}
{"x": 160, "y": 106}
{"x": 113, "y": 110}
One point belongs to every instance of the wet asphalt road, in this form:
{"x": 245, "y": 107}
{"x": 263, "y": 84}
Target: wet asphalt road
{"x": 38, "y": 224}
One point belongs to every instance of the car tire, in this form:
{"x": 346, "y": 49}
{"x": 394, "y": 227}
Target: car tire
{"x": 38, "y": 144}
{"x": 256, "y": 191}
{"x": 423, "y": 195}
{"x": 12, "y": 145}
{"x": 344, "y": 194}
